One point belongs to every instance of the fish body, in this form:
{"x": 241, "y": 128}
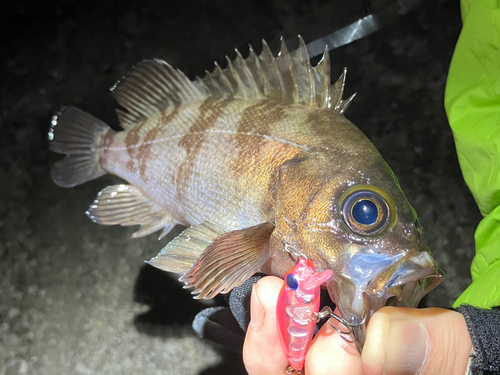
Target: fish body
{"x": 297, "y": 307}
{"x": 210, "y": 158}
{"x": 252, "y": 158}
{"x": 222, "y": 157}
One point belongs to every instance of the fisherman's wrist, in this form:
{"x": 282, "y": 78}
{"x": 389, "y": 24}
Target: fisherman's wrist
{"x": 484, "y": 330}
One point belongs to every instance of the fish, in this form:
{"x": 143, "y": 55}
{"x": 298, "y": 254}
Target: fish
{"x": 254, "y": 159}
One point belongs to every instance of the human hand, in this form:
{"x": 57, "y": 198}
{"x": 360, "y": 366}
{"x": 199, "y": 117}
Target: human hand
{"x": 399, "y": 341}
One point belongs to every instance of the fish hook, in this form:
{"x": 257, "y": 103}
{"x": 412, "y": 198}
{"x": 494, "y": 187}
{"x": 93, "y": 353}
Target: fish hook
{"x": 327, "y": 311}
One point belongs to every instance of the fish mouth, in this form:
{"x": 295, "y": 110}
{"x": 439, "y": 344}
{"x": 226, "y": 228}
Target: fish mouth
{"x": 402, "y": 284}
{"x": 407, "y": 292}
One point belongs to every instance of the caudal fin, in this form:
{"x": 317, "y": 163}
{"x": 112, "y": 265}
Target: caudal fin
{"x": 76, "y": 134}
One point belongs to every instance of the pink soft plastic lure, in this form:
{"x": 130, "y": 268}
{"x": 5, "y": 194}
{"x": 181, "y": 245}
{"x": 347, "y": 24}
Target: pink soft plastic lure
{"x": 298, "y": 304}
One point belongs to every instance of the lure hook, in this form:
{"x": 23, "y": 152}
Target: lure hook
{"x": 327, "y": 311}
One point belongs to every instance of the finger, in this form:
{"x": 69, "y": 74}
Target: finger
{"x": 423, "y": 341}
{"x": 330, "y": 354}
{"x": 262, "y": 351}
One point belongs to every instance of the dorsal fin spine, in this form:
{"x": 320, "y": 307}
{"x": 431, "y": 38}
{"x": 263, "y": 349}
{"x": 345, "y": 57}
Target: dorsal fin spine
{"x": 234, "y": 72}
{"x": 339, "y": 87}
{"x": 201, "y": 84}
{"x": 346, "y": 103}
{"x": 305, "y": 57}
{"x": 248, "y": 72}
{"x": 246, "y": 90}
{"x": 267, "y": 85}
{"x": 213, "y": 84}
{"x": 324, "y": 67}
{"x": 285, "y": 64}
{"x": 223, "y": 77}
{"x": 273, "y": 66}
{"x": 255, "y": 59}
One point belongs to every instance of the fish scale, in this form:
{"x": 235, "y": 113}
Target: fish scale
{"x": 253, "y": 158}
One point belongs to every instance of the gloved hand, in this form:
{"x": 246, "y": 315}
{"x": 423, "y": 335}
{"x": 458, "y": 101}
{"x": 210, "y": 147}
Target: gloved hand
{"x": 399, "y": 341}
{"x": 227, "y": 325}
{"x": 218, "y": 324}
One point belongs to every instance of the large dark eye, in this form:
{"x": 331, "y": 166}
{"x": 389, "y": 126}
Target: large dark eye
{"x": 366, "y": 212}
{"x": 291, "y": 282}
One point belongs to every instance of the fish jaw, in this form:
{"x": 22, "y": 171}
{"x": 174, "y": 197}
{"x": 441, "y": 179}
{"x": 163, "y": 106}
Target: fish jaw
{"x": 372, "y": 280}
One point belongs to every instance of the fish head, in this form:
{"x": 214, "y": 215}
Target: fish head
{"x": 361, "y": 226}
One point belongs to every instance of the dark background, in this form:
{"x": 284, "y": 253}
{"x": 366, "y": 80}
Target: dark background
{"x": 75, "y": 297}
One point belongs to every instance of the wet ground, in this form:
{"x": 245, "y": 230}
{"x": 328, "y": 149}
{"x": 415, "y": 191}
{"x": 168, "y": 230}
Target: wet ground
{"x": 76, "y": 297}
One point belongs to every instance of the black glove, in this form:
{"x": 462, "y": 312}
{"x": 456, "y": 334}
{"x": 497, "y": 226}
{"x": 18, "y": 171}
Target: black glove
{"x": 484, "y": 330}
{"x": 227, "y": 325}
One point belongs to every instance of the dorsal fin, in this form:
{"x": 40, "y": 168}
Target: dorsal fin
{"x": 289, "y": 77}
{"x": 154, "y": 86}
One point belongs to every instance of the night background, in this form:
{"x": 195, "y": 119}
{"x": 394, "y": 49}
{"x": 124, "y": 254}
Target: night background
{"x": 76, "y": 297}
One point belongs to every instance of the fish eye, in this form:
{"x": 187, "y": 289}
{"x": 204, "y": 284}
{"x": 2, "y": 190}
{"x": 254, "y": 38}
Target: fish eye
{"x": 291, "y": 282}
{"x": 366, "y": 211}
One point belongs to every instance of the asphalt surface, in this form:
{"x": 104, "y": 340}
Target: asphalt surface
{"x": 76, "y": 297}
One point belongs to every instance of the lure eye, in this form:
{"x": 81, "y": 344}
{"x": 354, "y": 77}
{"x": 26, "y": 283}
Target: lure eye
{"x": 291, "y": 282}
{"x": 366, "y": 212}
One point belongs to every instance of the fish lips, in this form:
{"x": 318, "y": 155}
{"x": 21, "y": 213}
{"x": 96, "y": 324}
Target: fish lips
{"x": 402, "y": 284}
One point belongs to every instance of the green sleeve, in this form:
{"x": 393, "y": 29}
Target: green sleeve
{"x": 472, "y": 102}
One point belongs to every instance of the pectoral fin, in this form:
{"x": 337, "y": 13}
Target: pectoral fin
{"x": 181, "y": 253}
{"x": 215, "y": 262}
{"x": 126, "y": 205}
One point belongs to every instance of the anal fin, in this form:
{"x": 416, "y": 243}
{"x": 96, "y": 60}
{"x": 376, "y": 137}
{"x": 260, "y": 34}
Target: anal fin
{"x": 226, "y": 260}
{"x": 126, "y": 205}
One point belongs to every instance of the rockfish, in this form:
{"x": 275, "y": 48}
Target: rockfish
{"x": 255, "y": 159}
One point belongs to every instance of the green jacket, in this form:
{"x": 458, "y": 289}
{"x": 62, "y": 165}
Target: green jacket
{"x": 472, "y": 102}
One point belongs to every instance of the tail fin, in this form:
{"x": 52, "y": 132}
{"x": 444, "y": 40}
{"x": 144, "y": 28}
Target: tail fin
{"x": 76, "y": 134}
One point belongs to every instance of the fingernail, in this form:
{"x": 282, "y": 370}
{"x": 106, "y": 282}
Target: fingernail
{"x": 257, "y": 313}
{"x": 406, "y": 348}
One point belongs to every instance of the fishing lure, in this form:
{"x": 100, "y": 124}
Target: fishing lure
{"x": 298, "y": 311}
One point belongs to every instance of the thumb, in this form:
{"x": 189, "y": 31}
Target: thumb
{"x": 262, "y": 351}
{"x": 416, "y": 341}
